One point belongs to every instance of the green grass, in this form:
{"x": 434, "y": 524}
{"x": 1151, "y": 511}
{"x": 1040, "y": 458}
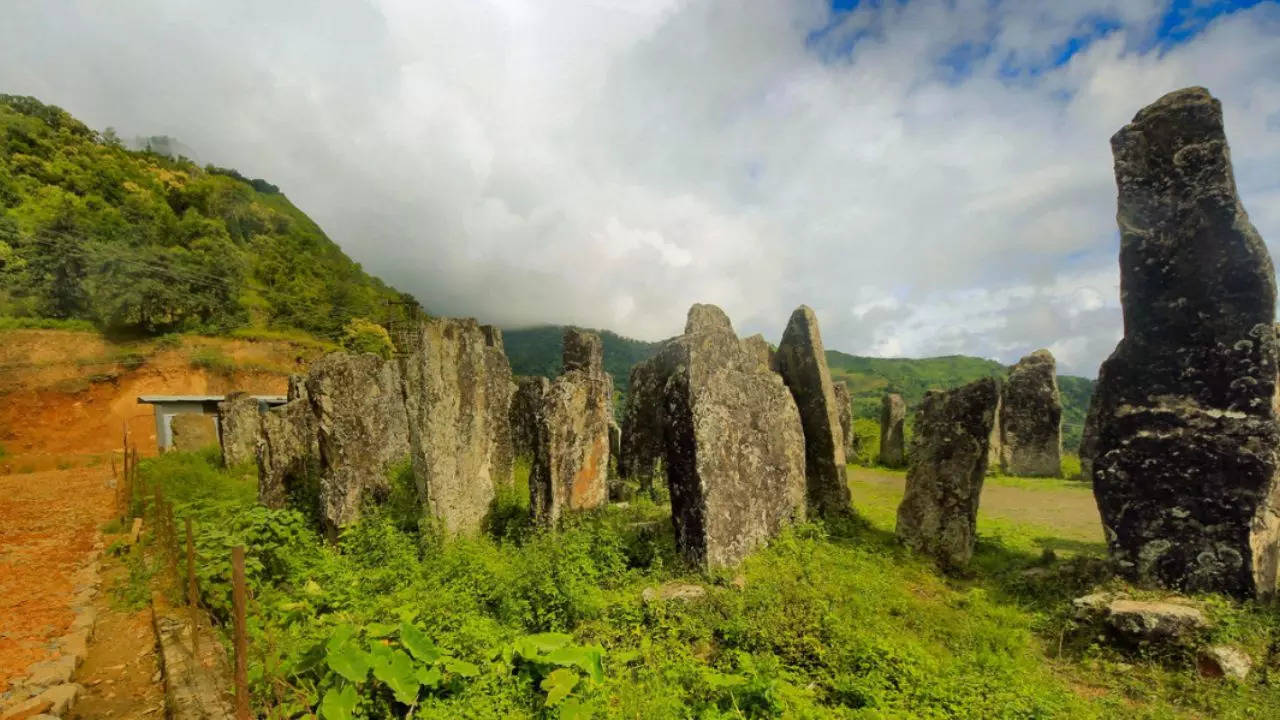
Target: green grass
{"x": 43, "y": 323}
{"x": 829, "y": 621}
{"x": 297, "y": 337}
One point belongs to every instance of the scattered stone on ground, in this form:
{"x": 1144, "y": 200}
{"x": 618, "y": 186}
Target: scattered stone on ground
{"x": 682, "y": 592}
{"x": 893, "y": 417}
{"x": 732, "y": 442}
{"x": 193, "y": 431}
{"x": 802, "y": 362}
{"x": 362, "y": 427}
{"x": 1027, "y": 436}
{"x": 195, "y": 684}
{"x": 1218, "y": 661}
{"x": 948, "y": 462}
{"x": 457, "y": 386}
{"x": 1184, "y": 436}
{"x": 1154, "y": 621}
{"x": 571, "y": 464}
{"x": 239, "y": 425}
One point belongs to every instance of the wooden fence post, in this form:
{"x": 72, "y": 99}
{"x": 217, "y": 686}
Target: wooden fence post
{"x": 242, "y": 644}
{"x": 193, "y": 597}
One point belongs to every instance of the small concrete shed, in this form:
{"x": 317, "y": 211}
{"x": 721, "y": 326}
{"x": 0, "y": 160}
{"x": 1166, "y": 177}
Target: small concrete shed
{"x": 167, "y": 406}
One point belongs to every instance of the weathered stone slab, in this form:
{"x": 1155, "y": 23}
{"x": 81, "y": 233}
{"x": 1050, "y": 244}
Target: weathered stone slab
{"x": 193, "y": 431}
{"x": 571, "y": 464}
{"x": 457, "y": 396}
{"x": 802, "y": 362}
{"x": 1028, "y": 433}
{"x": 643, "y": 427}
{"x": 288, "y": 448}
{"x": 1185, "y": 437}
{"x": 844, "y": 409}
{"x": 893, "y": 418}
{"x": 733, "y": 443}
{"x": 525, "y": 401}
{"x": 947, "y": 465}
{"x": 238, "y": 420}
{"x": 361, "y": 425}
{"x": 758, "y": 347}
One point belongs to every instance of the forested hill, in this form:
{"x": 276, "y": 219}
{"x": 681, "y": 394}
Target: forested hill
{"x": 139, "y": 242}
{"x": 536, "y": 351}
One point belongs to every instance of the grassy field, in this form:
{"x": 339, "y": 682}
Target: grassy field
{"x": 832, "y": 620}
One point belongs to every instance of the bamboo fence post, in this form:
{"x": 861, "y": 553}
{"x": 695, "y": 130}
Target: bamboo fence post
{"x": 193, "y": 597}
{"x": 242, "y": 643}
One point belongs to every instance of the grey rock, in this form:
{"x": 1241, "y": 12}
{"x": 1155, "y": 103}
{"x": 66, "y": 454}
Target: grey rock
{"x": 844, "y": 408}
{"x": 240, "y": 424}
{"x": 643, "y": 427}
{"x": 682, "y": 592}
{"x": 570, "y": 468}
{"x": 457, "y": 386}
{"x": 525, "y": 401}
{"x": 939, "y": 511}
{"x": 1144, "y": 621}
{"x": 1224, "y": 661}
{"x": 758, "y": 348}
{"x": 1183, "y": 455}
{"x": 288, "y": 447}
{"x": 362, "y": 428}
{"x": 893, "y": 417}
{"x": 193, "y": 431}
{"x": 802, "y": 362}
{"x": 733, "y": 444}
{"x": 1028, "y": 435}
{"x": 615, "y": 441}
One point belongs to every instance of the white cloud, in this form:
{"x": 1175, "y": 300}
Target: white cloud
{"x": 609, "y": 163}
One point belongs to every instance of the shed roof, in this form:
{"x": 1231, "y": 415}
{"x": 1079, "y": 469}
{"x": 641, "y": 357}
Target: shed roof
{"x": 155, "y": 399}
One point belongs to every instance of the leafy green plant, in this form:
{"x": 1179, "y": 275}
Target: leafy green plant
{"x": 558, "y": 667}
{"x": 361, "y": 335}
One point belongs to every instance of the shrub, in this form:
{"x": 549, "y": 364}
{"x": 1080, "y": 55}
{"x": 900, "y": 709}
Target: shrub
{"x": 364, "y": 336}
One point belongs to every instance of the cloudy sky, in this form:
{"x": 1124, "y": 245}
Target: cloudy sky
{"x": 931, "y": 177}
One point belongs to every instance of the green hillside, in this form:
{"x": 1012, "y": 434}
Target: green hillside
{"x": 536, "y": 351}
{"x": 142, "y": 243}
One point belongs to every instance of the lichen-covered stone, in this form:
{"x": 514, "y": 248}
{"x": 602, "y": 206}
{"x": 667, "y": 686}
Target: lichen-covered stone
{"x": 733, "y": 444}
{"x": 844, "y": 408}
{"x": 643, "y": 427}
{"x": 457, "y": 386}
{"x": 288, "y": 449}
{"x": 193, "y": 431}
{"x": 359, "y": 411}
{"x": 1028, "y": 436}
{"x": 758, "y": 347}
{"x": 948, "y": 462}
{"x": 893, "y": 417}
{"x": 1185, "y": 436}
{"x": 571, "y": 464}
{"x": 238, "y": 420}
{"x": 525, "y": 402}
{"x": 802, "y": 362}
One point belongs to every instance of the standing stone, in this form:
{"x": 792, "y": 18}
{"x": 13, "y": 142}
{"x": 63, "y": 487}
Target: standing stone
{"x": 844, "y": 407}
{"x": 571, "y": 463}
{"x": 1030, "y": 419}
{"x": 948, "y": 462}
{"x": 193, "y": 431}
{"x": 497, "y": 394}
{"x": 759, "y": 348}
{"x": 457, "y": 386}
{"x": 733, "y": 443}
{"x": 360, "y": 419}
{"x": 802, "y": 362}
{"x": 239, "y": 425}
{"x": 643, "y": 427}
{"x": 1184, "y": 460}
{"x": 525, "y": 401}
{"x": 615, "y": 441}
{"x": 288, "y": 449}
{"x": 893, "y": 417}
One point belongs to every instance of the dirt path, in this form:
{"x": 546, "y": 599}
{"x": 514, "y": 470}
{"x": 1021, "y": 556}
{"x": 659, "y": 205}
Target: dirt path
{"x": 49, "y": 524}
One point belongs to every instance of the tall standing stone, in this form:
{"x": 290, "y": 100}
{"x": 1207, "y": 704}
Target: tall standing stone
{"x": 525, "y": 402}
{"x": 239, "y": 426}
{"x": 1029, "y": 423}
{"x": 844, "y": 407}
{"x": 571, "y": 463}
{"x": 802, "y": 362}
{"x": 1185, "y": 441}
{"x": 288, "y": 450}
{"x": 193, "y": 431}
{"x": 893, "y": 417}
{"x": 643, "y": 427}
{"x": 362, "y": 429}
{"x": 733, "y": 443}
{"x": 759, "y": 348}
{"x": 457, "y": 386}
{"x": 948, "y": 462}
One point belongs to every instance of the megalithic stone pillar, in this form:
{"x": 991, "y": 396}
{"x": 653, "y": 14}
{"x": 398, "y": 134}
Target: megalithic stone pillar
{"x": 893, "y": 416}
{"x": 1183, "y": 434}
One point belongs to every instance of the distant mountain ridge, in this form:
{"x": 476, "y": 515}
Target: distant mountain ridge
{"x": 536, "y": 351}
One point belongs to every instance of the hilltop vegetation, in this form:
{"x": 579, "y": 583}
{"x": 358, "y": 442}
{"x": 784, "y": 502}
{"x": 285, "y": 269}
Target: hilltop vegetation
{"x": 143, "y": 243}
{"x": 536, "y": 351}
